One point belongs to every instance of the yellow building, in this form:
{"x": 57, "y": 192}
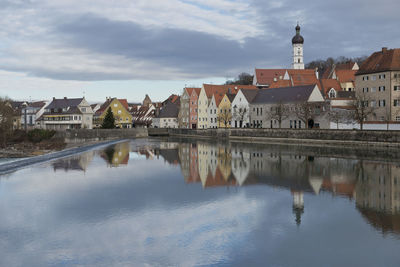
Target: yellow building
{"x": 224, "y": 113}
{"x": 120, "y": 110}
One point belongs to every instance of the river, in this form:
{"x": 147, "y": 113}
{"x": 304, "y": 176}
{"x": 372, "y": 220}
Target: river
{"x": 151, "y": 202}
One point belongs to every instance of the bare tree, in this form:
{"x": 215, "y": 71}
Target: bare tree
{"x": 278, "y": 112}
{"x": 338, "y": 115}
{"x": 224, "y": 118}
{"x": 361, "y": 108}
{"x": 239, "y": 114}
{"x": 6, "y": 120}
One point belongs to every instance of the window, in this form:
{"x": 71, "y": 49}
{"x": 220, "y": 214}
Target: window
{"x": 396, "y": 103}
{"x": 373, "y": 78}
{"x": 332, "y": 93}
{"x": 397, "y": 118}
{"x": 291, "y": 126}
{"x": 365, "y": 78}
{"x": 119, "y": 111}
{"x": 381, "y": 88}
{"x": 115, "y": 105}
{"x": 382, "y": 76}
{"x": 299, "y": 124}
{"x": 382, "y": 103}
{"x": 365, "y": 89}
{"x": 396, "y": 87}
{"x": 373, "y": 103}
{"x": 83, "y": 109}
{"x": 373, "y": 89}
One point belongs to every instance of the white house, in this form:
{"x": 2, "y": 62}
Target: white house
{"x": 240, "y": 108}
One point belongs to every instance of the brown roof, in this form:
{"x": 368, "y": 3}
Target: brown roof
{"x": 385, "y": 60}
{"x": 345, "y": 66}
{"x": 327, "y": 84}
{"x": 266, "y": 76}
{"x": 303, "y": 77}
{"x": 345, "y": 76}
{"x": 124, "y": 103}
{"x": 189, "y": 90}
{"x": 212, "y": 89}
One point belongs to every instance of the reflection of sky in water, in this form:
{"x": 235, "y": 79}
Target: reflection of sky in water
{"x": 144, "y": 212}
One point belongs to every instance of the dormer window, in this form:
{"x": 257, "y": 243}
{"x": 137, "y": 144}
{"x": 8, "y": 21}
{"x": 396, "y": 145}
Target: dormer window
{"x": 332, "y": 93}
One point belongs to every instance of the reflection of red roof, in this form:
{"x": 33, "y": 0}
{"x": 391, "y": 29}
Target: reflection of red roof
{"x": 339, "y": 188}
{"x": 381, "y": 221}
{"x": 218, "y": 180}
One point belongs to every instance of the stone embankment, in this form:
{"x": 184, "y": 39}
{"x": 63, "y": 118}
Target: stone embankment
{"x": 303, "y": 136}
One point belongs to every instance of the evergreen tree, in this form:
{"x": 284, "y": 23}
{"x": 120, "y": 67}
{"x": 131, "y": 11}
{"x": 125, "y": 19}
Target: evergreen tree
{"x": 109, "y": 120}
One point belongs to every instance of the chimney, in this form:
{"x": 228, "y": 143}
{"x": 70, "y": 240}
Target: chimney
{"x": 65, "y": 97}
{"x": 54, "y": 98}
{"x": 275, "y": 79}
{"x": 384, "y": 50}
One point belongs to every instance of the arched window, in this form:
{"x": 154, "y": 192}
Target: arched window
{"x": 299, "y": 60}
{"x": 332, "y": 93}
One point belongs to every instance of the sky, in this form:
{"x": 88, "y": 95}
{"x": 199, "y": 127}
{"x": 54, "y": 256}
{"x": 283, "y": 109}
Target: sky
{"x": 127, "y": 48}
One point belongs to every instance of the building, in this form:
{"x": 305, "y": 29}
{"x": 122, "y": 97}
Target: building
{"x": 205, "y": 101}
{"x": 297, "y": 44}
{"x": 167, "y": 117}
{"x": 119, "y": 108}
{"x": 289, "y": 107}
{"x": 188, "y": 108}
{"x": 241, "y": 108}
{"x": 67, "y": 113}
{"x": 32, "y": 111}
{"x": 379, "y": 80}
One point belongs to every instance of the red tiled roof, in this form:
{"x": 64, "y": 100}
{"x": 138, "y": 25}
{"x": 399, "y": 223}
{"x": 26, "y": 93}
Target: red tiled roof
{"x": 345, "y": 76}
{"x": 212, "y": 89}
{"x": 385, "y": 60}
{"x": 124, "y": 103}
{"x": 303, "y": 77}
{"x": 267, "y": 76}
{"x": 327, "y": 84}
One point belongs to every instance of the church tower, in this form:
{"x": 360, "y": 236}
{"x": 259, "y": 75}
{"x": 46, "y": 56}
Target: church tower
{"x": 297, "y": 43}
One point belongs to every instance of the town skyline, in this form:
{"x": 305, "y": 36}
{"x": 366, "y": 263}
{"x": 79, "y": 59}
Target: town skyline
{"x": 106, "y": 50}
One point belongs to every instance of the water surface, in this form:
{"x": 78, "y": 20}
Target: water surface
{"x": 198, "y": 203}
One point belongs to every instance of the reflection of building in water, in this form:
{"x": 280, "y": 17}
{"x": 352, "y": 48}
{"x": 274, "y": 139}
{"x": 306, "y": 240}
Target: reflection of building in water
{"x": 184, "y": 158}
{"x": 78, "y": 162}
{"x": 378, "y": 195}
{"x": 225, "y": 161}
{"x": 193, "y": 164}
{"x": 147, "y": 152}
{"x": 378, "y": 187}
{"x": 219, "y": 180}
{"x": 168, "y": 145}
{"x": 298, "y": 205}
{"x": 117, "y": 154}
{"x": 170, "y": 155}
{"x": 240, "y": 164}
{"x": 202, "y": 152}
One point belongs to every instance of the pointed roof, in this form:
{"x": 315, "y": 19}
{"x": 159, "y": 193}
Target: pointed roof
{"x": 189, "y": 90}
{"x": 170, "y": 110}
{"x": 211, "y": 89}
{"x": 249, "y": 94}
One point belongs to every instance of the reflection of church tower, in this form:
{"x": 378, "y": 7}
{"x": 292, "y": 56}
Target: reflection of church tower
{"x": 298, "y": 205}
{"x": 297, "y": 43}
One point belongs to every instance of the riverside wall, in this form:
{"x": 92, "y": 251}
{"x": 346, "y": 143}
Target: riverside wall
{"x": 314, "y": 136}
{"x": 93, "y": 135}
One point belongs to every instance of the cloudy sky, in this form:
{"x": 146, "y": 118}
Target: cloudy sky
{"x": 127, "y": 48}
